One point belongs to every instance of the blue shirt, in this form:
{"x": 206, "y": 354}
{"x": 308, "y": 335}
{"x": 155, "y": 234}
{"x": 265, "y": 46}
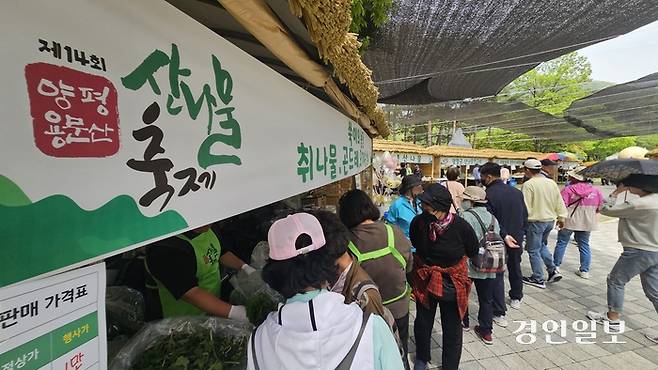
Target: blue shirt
{"x": 401, "y": 213}
{"x": 387, "y": 355}
{"x": 476, "y": 173}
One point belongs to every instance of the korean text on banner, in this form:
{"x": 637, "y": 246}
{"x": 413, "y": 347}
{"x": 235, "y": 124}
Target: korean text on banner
{"x": 112, "y": 145}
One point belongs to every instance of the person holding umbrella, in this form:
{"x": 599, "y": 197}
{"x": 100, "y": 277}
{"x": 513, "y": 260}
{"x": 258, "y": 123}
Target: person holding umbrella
{"x": 638, "y": 234}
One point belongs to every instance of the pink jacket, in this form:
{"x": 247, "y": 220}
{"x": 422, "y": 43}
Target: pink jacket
{"x": 583, "y": 202}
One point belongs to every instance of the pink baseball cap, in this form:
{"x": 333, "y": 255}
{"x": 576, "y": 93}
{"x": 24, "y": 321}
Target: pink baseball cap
{"x": 283, "y": 235}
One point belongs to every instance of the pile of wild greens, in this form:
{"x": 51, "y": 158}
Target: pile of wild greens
{"x": 201, "y": 350}
{"x": 186, "y": 343}
{"x": 259, "y": 306}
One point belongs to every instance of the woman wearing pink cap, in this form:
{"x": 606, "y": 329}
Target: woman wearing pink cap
{"x": 315, "y": 329}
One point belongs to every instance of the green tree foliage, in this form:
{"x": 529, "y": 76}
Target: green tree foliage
{"x": 552, "y": 86}
{"x": 367, "y": 17}
{"x": 600, "y": 149}
{"x": 649, "y": 141}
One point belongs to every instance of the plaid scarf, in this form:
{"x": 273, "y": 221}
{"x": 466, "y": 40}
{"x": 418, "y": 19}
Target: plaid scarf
{"x": 429, "y": 280}
{"x": 437, "y": 228}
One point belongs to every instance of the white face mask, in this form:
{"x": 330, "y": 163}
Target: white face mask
{"x": 340, "y": 283}
{"x": 466, "y": 205}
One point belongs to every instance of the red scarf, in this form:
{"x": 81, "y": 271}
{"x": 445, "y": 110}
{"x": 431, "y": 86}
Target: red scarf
{"x": 437, "y": 228}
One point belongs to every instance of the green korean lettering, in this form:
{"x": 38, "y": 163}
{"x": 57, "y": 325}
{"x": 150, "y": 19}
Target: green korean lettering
{"x": 175, "y": 71}
{"x": 145, "y": 71}
{"x": 223, "y": 81}
{"x": 204, "y": 155}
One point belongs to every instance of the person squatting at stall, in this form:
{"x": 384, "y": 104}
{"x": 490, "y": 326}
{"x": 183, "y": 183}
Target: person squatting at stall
{"x": 638, "y": 234}
{"x": 384, "y": 253}
{"x": 186, "y": 272}
{"x": 583, "y": 202}
{"x": 473, "y": 210}
{"x": 315, "y": 329}
{"x": 443, "y": 240}
{"x": 407, "y": 206}
{"x": 506, "y": 203}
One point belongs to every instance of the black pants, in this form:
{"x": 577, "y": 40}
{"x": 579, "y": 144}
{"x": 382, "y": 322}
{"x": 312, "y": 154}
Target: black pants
{"x": 452, "y": 331}
{"x": 484, "y": 288}
{"x": 514, "y": 271}
{"x": 403, "y": 331}
{"x": 498, "y": 295}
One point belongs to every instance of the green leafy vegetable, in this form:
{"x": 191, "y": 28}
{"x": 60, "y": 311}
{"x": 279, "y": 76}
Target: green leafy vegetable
{"x": 259, "y": 306}
{"x": 199, "y": 351}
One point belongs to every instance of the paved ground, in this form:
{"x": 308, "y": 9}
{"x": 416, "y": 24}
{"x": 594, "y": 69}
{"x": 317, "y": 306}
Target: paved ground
{"x": 568, "y": 299}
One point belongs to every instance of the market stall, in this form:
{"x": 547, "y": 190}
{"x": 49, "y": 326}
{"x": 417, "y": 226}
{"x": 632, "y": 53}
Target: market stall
{"x": 407, "y": 153}
{"x": 467, "y": 158}
{"x": 114, "y": 145}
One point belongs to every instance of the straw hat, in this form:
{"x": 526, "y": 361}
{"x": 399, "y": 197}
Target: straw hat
{"x": 475, "y": 194}
{"x": 574, "y": 173}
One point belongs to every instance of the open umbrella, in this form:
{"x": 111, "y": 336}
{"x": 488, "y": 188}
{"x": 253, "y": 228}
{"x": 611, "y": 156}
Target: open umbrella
{"x": 568, "y": 156}
{"x": 555, "y": 157}
{"x": 618, "y": 169}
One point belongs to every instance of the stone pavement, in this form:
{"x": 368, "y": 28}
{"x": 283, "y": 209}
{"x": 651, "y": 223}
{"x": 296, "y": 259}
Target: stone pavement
{"x": 568, "y": 299}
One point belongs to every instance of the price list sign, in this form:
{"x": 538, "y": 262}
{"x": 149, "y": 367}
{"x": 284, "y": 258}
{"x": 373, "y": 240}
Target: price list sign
{"x": 55, "y": 323}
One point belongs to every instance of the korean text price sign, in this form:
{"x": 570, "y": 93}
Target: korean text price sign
{"x": 55, "y": 323}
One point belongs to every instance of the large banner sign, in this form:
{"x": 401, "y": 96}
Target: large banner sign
{"x": 128, "y": 121}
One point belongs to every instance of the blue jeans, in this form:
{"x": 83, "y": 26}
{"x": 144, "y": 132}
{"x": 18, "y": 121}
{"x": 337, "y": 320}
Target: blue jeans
{"x": 633, "y": 262}
{"x": 537, "y": 247}
{"x": 582, "y": 238}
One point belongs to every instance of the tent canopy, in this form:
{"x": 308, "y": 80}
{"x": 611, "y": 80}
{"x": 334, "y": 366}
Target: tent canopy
{"x": 482, "y": 114}
{"x": 621, "y": 110}
{"x": 442, "y": 50}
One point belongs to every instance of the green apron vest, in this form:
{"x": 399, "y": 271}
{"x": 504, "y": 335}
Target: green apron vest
{"x": 207, "y": 251}
{"x": 379, "y": 253}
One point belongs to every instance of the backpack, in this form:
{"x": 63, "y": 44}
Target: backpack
{"x": 492, "y": 254}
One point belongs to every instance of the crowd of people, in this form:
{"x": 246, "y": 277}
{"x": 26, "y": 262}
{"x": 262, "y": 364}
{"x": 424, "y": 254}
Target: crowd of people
{"x": 348, "y": 279}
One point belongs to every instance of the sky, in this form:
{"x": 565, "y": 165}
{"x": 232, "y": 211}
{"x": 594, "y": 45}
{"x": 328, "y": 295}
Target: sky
{"x": 625, "y": 58}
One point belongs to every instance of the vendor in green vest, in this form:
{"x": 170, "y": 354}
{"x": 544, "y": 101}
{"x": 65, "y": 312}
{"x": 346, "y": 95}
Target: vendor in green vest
{"x": 186, "y": 270}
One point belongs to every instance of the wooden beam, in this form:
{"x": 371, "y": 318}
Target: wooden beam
{"x": 259, "y": 20}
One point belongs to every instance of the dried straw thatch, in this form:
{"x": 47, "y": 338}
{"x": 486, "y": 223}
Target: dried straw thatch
{"x": 328, "y": 23}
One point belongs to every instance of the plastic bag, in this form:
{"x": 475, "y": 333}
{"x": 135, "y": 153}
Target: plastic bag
{"x": 115, "y": 345}
{"x": 229, "y": 339}
{"x": 124, "y": 309}
{"x": 252, "y": 285}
